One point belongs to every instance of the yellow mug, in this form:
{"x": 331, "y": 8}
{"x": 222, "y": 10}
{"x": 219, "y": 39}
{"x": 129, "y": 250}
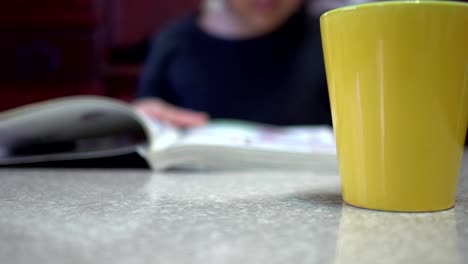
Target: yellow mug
{"x": 397, "y": 75}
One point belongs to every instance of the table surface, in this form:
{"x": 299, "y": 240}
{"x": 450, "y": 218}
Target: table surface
{"x": 138, "y": 216}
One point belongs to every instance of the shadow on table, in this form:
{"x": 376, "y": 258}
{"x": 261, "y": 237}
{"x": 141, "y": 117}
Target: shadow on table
{"x": 328, "y": 198}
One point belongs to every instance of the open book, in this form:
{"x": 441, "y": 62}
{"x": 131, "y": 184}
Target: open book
{"x": 90, "y": 127}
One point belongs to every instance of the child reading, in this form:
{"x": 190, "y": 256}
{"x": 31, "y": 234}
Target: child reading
{"x": 256, "y": 60}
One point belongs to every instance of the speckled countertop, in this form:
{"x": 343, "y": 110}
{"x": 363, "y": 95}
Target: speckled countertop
{"x": 130, "y": 216}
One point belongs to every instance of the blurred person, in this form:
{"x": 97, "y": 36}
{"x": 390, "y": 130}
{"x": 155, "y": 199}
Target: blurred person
{"x": 256, "y": 60}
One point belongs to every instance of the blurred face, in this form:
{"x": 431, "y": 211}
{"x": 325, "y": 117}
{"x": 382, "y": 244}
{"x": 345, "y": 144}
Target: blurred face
{"x": 263, "y": 15}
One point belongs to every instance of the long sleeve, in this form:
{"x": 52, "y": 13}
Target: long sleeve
{"x": 153, "y": 81}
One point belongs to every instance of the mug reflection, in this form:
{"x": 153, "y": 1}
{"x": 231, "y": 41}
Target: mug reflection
{"x": 381, "y": 237}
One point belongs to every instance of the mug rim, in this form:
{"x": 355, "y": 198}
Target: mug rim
{"x": 393, "y": 3}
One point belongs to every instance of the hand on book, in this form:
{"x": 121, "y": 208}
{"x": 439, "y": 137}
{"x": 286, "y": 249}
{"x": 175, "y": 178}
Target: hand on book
{"x": 172, "y": 114}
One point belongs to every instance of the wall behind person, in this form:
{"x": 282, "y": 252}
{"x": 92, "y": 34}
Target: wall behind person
{"x": 134, "y": 20}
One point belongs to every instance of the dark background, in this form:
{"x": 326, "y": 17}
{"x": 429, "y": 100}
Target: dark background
{"x": 53, "y": 48}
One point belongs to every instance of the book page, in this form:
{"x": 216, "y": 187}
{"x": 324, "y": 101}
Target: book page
{"x": 160, "y": 134}
{"x": 66, "y": 119}
{"x": 307, "y": 139}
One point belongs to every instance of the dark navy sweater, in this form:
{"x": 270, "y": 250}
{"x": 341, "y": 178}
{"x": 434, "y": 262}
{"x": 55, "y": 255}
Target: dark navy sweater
{"x": 277, "y": 78}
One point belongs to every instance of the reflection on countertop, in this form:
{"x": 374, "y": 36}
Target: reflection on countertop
{"x": 366, "y": 236}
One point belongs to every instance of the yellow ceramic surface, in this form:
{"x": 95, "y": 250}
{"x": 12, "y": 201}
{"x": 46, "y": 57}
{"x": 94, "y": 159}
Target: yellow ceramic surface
{"x": 398, "y": 81}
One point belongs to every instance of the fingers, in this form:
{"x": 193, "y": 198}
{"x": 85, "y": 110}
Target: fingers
{"x": 169, "y": 113}
{"x": 183, "y": 117}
